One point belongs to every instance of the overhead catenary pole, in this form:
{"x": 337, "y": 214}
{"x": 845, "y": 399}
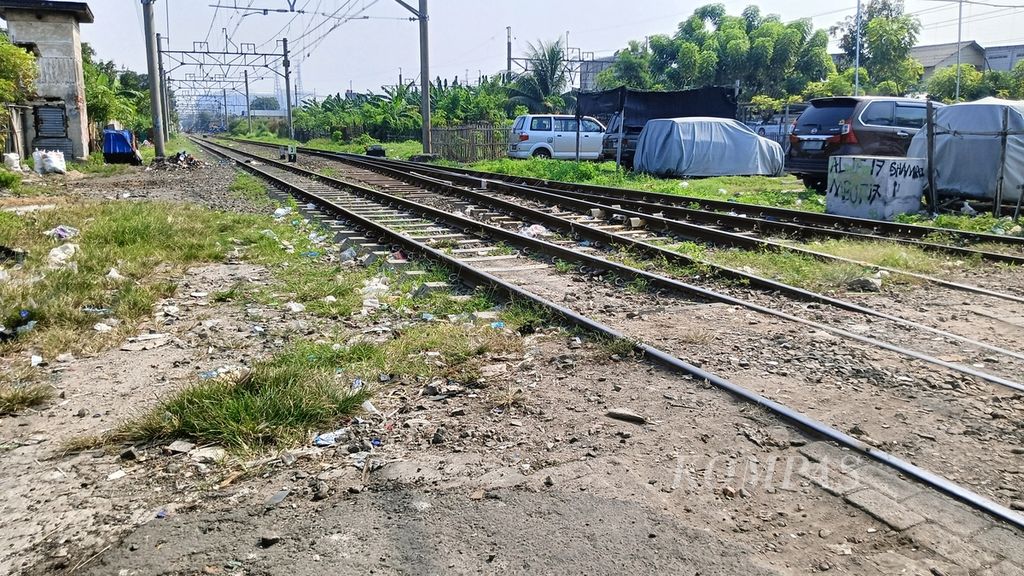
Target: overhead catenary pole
{"x": 164, "y": 98}
{"x": 288, "y": 89}
{"x": 959, "y": 39}
{"x": 248, "y": 102}
{"x": 856, "y": 63}
{"x": 425, "y": 75}
{"x": 225, "y": 90}
{"x": 423, "y": 18}
{"x": 508, "y": 77}
{"x": 153, "y": 68}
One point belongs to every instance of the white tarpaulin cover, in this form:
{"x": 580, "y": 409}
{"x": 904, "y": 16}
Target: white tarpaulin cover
{"x": 968, "y": 139}
{"x": 702, "y": 146}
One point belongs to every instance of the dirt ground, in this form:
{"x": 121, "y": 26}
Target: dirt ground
{"x": 463, "y": 483}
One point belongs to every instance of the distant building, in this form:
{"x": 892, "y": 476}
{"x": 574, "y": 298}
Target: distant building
{"x": 50, "y": 30}
{"x": 938, "y": 56}
{"x": 589, "y": 69}
{"x": 1004, "y": 58}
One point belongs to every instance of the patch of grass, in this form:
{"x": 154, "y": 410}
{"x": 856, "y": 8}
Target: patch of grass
{"x": 248, "y": 187}
{"x": 329, "y": 172}
{"x": 279, "y": 402}
{"x": 622, "y": 347}
{"x": 525, "y": 316}
{"x": 794, "y": 269}
{"x": 9, "y": 180}
{"x": 563, "y": 267}
{"x": 150, "y": 244}
{"x": 15, "y": 397}
{"x": 177, "y": 143}
{"x": 94, "y": 165}
{"x": 401, "y": 150}
{"x": 983, "y": 223}
{"x": 787, "y": 191}
{"x": 891, "y": 255}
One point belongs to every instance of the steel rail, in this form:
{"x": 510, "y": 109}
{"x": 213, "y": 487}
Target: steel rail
{"x": 475, "y": 277}
{"x": 653, "y": 279}
{"x": 611, "y": 238}
{"x": 754, "y": 210}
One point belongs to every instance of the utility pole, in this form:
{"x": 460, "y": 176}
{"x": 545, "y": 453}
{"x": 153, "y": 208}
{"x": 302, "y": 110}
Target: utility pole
{"x": 401, "y": 82}
{"x": 423, "y": 18}
{"x": 959, "y": 38}
{"x": 425, "y": 75}
{"x": 856, "y": 71}
{"x": 288, "y": 89}
{"x": 225, "y": 91}
{"x": 164, "y": 98}
{"x": 153, "y": 68}
{"x": 508, "y": 65}
{"x": 248, "y": 109}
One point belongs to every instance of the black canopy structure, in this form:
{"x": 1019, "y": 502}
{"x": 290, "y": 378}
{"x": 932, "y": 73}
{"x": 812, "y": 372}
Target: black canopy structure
{"x": 637, "y": 107}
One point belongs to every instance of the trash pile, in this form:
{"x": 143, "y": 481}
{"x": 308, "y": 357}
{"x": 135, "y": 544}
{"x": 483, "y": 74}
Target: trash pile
{"x": 180, "y": 161}
{"x": 49, "y": 162}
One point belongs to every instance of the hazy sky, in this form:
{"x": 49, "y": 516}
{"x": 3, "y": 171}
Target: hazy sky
{"x": 469, "y": 34}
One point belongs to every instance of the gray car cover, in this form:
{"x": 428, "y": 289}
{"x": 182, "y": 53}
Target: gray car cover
{"x": 968, "y": 139}
{"x": 702, "y": 146}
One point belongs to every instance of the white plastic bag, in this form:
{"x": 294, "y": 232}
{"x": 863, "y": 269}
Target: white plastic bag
{"x": 12, "y": 162}
{"x": 49, "y": 162}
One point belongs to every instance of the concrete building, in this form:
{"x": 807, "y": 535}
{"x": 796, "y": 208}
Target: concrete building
{"x": 937, "y": 56}
{"x": 51, "y": 31}
{"x": 1004, "y": 58}
{"x": 589, "y": 69}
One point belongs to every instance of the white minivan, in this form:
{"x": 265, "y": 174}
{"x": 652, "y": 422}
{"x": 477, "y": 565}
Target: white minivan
{"x": 554, "y": 136}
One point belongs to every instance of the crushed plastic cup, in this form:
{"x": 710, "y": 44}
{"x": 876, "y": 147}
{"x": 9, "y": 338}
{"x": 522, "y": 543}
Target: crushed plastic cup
{"x": 328, "y": 439}
{"x": 497, "y": 325}
{"x": 62, "y": 232}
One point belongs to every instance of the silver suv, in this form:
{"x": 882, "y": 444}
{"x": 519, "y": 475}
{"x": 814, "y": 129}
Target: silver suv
{"x": 554, "y": 136}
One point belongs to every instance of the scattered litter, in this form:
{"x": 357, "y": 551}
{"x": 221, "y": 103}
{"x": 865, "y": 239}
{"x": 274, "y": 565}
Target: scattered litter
{"x": 269, "y": 233}
{"x": 209, "y": 455}
{"x": 295, "y": 307}
{"x": 376, "y": 442}
{"x": 12, "y": 162}
{"x": 535, "y": 231}
{"x": 199, "y": 294}
{"x": 114, "y": 275}
{"x": 282, "y": 212}
{"x": 331, "y": 438}
{"x": 61, "y": 256}
{"x": 102, "y": 328}
{"x": 427, "y": 316}
{"x": 4, "y": 276}
{"x": 171, "y": 310}
{"x": 348, "y": 255}
{"x": 66, "y": 357}
{"x": 36, "y": 360}
{"x": 497, "y": 325}
{"x": 277, "y": 498}
{"x": 722, "y": 191}
{"x": 161, "y": 514}
{"x": 684, "y": 184}
{"x": 116, "y": 475}
{"x": 145, "y": 342}
{"x": 311, "y": 254}
{"x": 26, "y": 327}
{"x": 181, "y": 160}
{"x": 369, "y": 407}
{"x": 317, "y": 238}
{"x": 49, "y": 162}
{"x": 626, "y": 416}
{"x": 96, "y": 311}
{"x": 179, "y": 447}
{"x": 357, "y": 384}
{"x": 967, "y": 210}
{"x": 330, "y": 299}
{"x": 62, "y": 232}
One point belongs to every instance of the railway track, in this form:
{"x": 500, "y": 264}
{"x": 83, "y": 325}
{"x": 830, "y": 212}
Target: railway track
{"x": 593, "y": 231}
{"x": 419, "y": 219}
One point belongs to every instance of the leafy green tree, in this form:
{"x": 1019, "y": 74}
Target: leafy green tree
{"x": 17, "y": 72}
{"x": 889, "y": 41}
{"x": 942, "y": 84}
{"x": 265, "y": 103}
{"x": 541, "y": 88}
{"x": 846, "y": 30}
{"x": 710, "y": 47}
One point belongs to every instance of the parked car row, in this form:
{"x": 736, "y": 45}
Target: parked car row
{"x": 848, "y": 125}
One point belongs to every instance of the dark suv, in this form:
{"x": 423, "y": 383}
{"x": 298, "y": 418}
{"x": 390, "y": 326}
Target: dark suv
{"x": 610, "y": 142}
{"x": 851, "y": 125}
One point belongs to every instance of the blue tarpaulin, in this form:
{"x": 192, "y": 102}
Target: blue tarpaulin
{"x": 117, "y": 142}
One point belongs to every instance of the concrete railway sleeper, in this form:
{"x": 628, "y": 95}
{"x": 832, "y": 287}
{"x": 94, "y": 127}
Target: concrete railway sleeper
{"x": 474, "y": 276}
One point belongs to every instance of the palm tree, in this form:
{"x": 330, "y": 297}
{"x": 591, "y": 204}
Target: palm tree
{"x": 540, "y": 89}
